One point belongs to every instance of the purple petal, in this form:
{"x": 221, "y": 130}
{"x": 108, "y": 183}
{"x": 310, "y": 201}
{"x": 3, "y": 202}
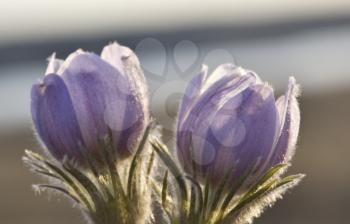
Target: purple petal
{"x": 257, "y": 118}
{"x": 103, "y": 98}
{"x": 127, "y": 63}
{"x": 222, "y": 76}
{"x": 243, "y": 130}
{"x": 192, "y": 91}
{"x": 289, "y": 113}
{"x": 116, "y": 55}
{"x": 230, "y": 71}
{"x": 198, "y": 119}
{"x": 215, "y": 90}
{"x": 54, "y": 117}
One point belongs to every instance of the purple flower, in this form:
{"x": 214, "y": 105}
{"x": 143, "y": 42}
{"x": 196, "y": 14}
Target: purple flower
{"x": 83, "y": 97}
{"x": 230, "y": 121}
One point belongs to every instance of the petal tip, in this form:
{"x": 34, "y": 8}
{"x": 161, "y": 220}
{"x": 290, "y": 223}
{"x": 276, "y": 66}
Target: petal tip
{"x": 54, "y": 64}
{"x": 294, "y": 87}
{"x": 51, "y": 57}
{"x": 204, "y": 67}
{"x": 115, "y": 47}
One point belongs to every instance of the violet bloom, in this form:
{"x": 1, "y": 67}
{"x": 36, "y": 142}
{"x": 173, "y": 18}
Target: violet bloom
{"x": 230, "y": 121}
{"x": 80, "y": 99}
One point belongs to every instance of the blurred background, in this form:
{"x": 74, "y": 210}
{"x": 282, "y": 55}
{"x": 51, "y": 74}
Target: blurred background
{"x": 307, "y": 39}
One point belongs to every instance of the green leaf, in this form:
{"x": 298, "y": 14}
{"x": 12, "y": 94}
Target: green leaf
{"x": 207, "y": 192}
{"x": 218, "y": 194}
{"x": 89, "y": 186}
{"x": 109, "y": 170}
{"x": 236, "y": 186}
{"x": 136, "y": 159}
{"x": 271, "y": 187}
{"x": 66, "y": 177}
{"x": 164, "y": 190}
{"x": 268, "y": 175}
{"x": 150, "y": 164}
{"x": 196, "y": 198}
{"x": 175, "y": 171}
{"x": 62, "y": 190}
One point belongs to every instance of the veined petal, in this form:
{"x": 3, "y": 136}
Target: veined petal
{"x": 102, "y": 98}
{"x": 125, "y": 61}
{"x": 218, "y": 93}
{"x": 192, "y": 91}
{"x": 245, "y": 135}
{"x": 289, "y": 114}
{"x": 222, "y": 76}
{"x": 54, "y": 117}
{"x": 225, "y": 70}
{"x": 200, "y": 116}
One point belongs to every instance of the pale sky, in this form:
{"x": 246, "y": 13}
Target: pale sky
{"x": 32, "y": 19}
{"x": 317, "y": 58}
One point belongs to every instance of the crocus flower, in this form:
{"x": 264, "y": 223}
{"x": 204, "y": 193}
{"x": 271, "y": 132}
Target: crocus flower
{"x": 229, "y": 122}
{"x": 80, "y": 99}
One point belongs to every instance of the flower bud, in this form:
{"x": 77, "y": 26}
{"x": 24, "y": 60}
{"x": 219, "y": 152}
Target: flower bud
{"x": 84, "y": 97}
{"x": 229, "y": 122}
